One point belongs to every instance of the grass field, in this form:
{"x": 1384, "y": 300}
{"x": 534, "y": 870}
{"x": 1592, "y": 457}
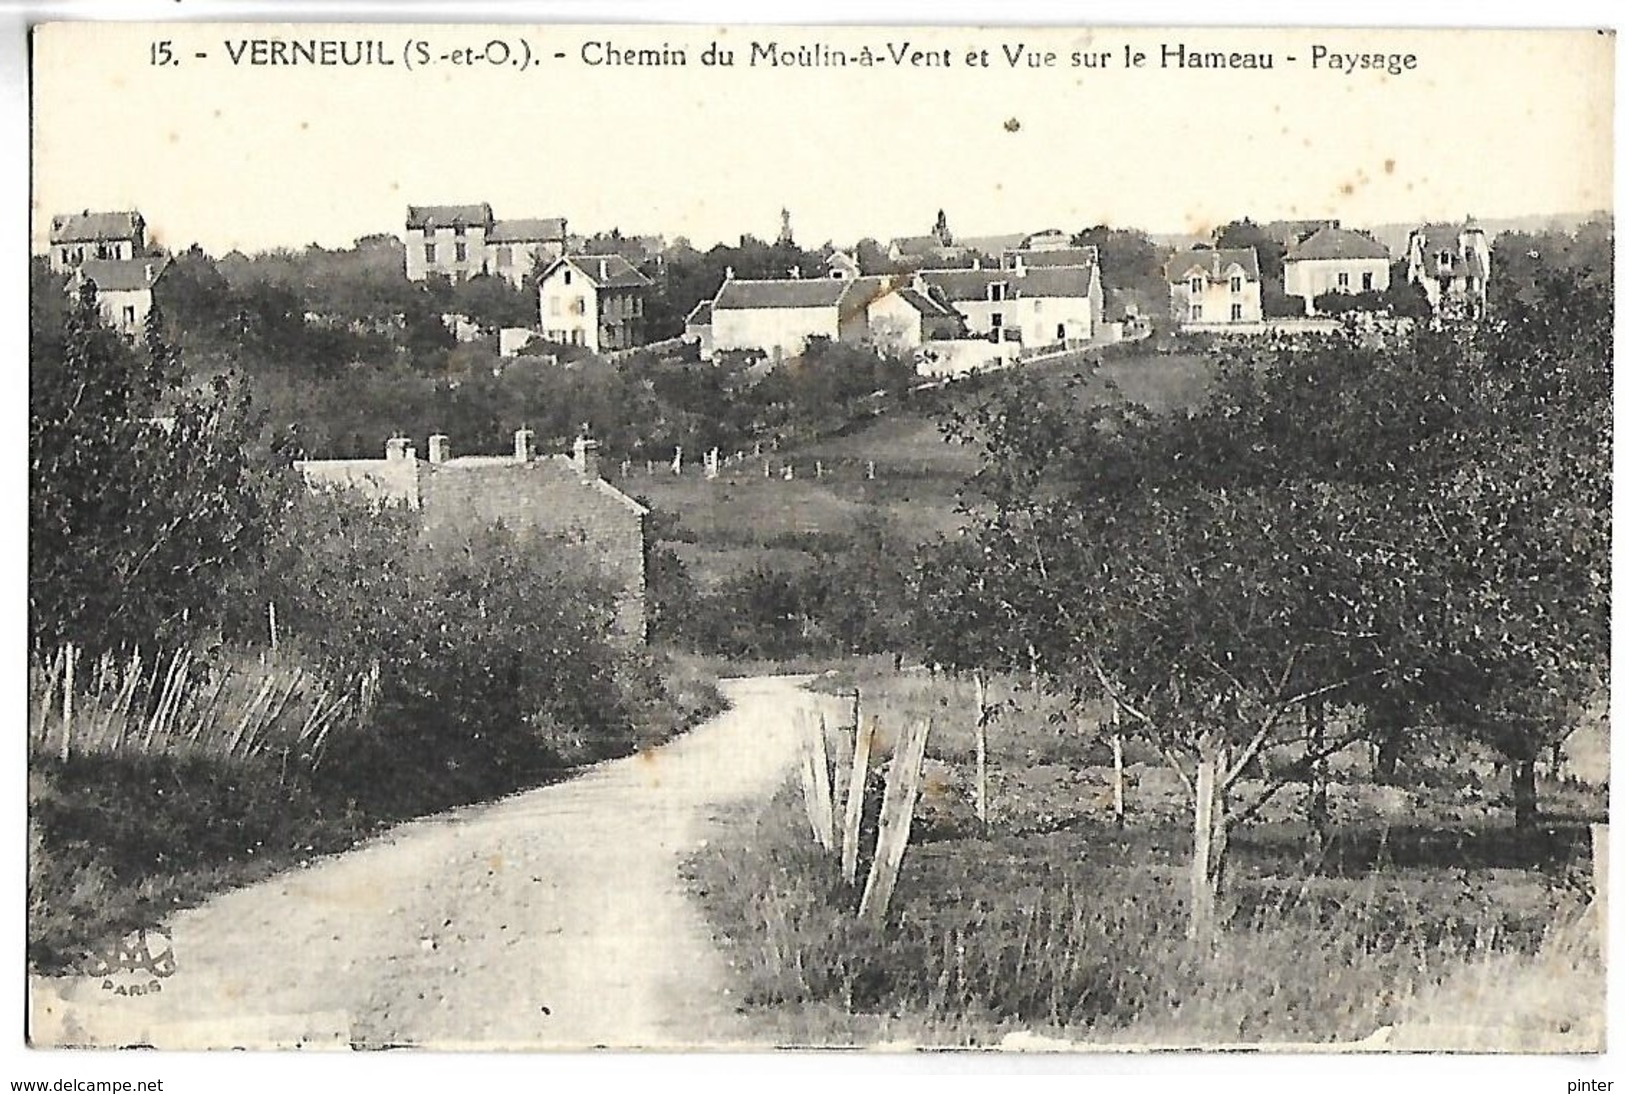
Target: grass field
{"x": 1054, "y": 922}
{"x": 746, "y": 518}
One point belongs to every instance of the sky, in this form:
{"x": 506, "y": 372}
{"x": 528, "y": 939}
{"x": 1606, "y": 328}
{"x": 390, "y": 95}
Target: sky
{"x": 1487, "y": 122}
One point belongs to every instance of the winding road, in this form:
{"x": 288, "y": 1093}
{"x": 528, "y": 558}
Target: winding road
{"x": 554, "y": 919}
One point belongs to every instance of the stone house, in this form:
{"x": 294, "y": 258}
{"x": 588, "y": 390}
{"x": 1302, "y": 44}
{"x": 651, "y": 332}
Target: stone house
{"x": 1451, "y": 264}
{"x": 1215, "y": 287}
{"x": 596, "y": 301}
{"x": 461, "y": 241}
{"x": 124, "y": 289}
{"x": 77, "y": 238}
{"x": 559, "y": 496}
{"x": 1334, "y": 259}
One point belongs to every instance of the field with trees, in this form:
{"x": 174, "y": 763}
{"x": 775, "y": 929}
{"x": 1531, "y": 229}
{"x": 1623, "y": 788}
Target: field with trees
{"x": 1277, "y": 716}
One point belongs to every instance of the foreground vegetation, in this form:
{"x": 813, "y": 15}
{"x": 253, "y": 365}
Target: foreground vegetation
{"x": 229, "y": 677}
{"x": 1051, "y": 920}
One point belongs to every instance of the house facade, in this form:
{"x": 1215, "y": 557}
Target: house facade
{"x": 125, "y": 289}
{"x": 1036, "y": 305}
{"x": 1451, "y": 264}
{"x": 596, "y": 301}
{"x": 904, "y": 318}
{"x": 561, "y": 497}
{"x": 1335, "y": 260}
{"x": 77, "y": 238}
{"x": 519, "y": 247}
{"x": 1215, "y": 287}
{"x": 463, "y": 241}
{"x": 697, "y": 329}
{"x": 779, "y": 317}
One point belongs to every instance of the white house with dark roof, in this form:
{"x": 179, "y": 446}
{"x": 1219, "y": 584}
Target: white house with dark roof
{"x": 1451, "y": 264}
{"x": 779, "y": 317}
{"x": 596, "y": 301}
{"x": 526, "y": 244}
{"x": 1212, "y": 288}
{"x": 1024, "y": 300}
{"x": 84, "y": 237}
{"x": 124, "y": 289}
{"x": 1332, "y": 259}
{"x": 461, "y": 241}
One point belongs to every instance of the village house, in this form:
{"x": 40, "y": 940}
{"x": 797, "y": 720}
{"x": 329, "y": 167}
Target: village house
{"x": 1335, "y": 260}
{"x": 462, "y": 241}
{"x": 697, "y": 329}
{"x": 1451, "y": 264}
{"x": 124, "y": 289}
{"x": 596, "y": 301}
{"x": 1026, "y": 299}
{"x": 779, "y": 317}
{"x": 905, "y": 317}
{"x": 1213, "y": 289}
{"x": 561, "y": 497}
{"x": 82, "y": 237}
{"x": 520, "y": 246}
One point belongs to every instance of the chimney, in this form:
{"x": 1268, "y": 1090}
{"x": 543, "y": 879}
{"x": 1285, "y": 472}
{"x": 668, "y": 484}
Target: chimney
{"x": 585, "y": 456}
{"x": 149, "y": 273}
{"x": 524, "y": 445}
{"x": 439, "y": 448}
{"x": 397, "y": 448}
{"x": 728, "y": 274}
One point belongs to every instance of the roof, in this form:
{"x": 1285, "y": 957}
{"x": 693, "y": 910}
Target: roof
{"x": 446, "y": 216}
{"x": 527, "y": 230}
{"x": 1330, "y": 243}
{"x": 1056, "y": 256}
{"x": 88, "y": 227}
{"x": 1213, "y": 263}
{"x": 992, "y": 245}
{"x": 1447, "y": 237}
{"x": 924, "y": 303}
{"x": 967, "y": 285}
{"x": 122, "y": 274}
{"x": 397, "y": 481}
{"x": 699, "y": 315}
{"x": 917, "y": 245}
{"x": 604, "y": 271}
{"x": 792, "y": 292}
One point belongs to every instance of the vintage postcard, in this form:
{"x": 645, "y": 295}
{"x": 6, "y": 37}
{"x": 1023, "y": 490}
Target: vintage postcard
{"x": 1056, "y": 539}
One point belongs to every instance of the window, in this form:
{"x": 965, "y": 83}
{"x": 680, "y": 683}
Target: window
{"x": 552, "y": 305}
{"x": 998, "y": 290}
{"x": 459, "y": 231}
{"x": 1235, "y": 284}
{"x": 1343, "y": 280}
{"x": 566, "y": 277}
{"x": 428, "y": 254}
{"x": 460, "y": 251}
{"x": 1366, "y": 282}
{"x": 1196, "y": 284}
{"x": 1196, "y": 313}
{"x": 1235, "y": 313}
{"x": 1060, "y": 332}
{"x": 1444, "y": 260}
{"x": 997, "y": 319}
{"x": 504, "y": 257}
{"x": 129, "y": 315}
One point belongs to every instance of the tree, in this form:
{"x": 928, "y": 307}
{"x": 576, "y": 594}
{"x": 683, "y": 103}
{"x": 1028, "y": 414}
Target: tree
{"x": 143, "y": 497}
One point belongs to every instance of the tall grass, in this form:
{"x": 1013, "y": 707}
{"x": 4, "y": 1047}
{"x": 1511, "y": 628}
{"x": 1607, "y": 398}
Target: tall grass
{"x": 1072, "y": 940}
{"x": 235, "y": 706}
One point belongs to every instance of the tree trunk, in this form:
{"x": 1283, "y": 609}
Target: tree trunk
{"x": 1119, "y": 803}
{"x": 1210, "y": 837}
{"x": 981, "y": 748}
{"x": 1315, "y": 715}
{"x": 1523, "y": 794}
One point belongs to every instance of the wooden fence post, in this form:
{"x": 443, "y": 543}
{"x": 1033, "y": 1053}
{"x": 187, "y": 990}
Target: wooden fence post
{"x": 857, "y": 781}
{"x": 67, "y": 701}
{"x": 981, "y": 747}
{"x": 896, "y": 818}
{"x": 1119, "y": 808}
{"x": 815, "y": 789}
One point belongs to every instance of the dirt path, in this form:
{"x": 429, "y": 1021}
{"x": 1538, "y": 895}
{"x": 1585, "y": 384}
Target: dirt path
{"x": 552, "y": 919}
